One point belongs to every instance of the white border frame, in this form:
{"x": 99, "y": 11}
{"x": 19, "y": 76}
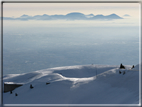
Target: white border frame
{"x": 92, "y": 1}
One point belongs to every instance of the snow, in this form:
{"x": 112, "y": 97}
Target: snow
{"x": 75, "y": 85}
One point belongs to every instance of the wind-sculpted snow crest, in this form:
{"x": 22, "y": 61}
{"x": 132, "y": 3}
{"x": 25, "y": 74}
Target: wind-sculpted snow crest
{"x": 82, "y": 84}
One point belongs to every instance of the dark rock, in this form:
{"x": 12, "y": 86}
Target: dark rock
{"x": 132, "y": 67}
{"x": 122, "y": 66}
{"x": 47, "y": 83}
{"x": 10, "y": 92}
{"x": 10, "y": 87}
{"x": 119, "y": 72}
{"x": 31, "y": 86}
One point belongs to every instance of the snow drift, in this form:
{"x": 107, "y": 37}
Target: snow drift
{"x": 85, "y": 84}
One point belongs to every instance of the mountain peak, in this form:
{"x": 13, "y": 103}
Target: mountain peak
{"x": 114, "y": 16}
{"x": 75, "y": 13}
{"x": 91, "y": 14}
{"x": 44, "y": 15}
{"x": 24, "y": 15}
{"x": 75, "y": 16}
{"x": 69, "y": 16}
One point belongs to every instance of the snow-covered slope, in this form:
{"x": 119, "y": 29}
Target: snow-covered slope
{"x": 85, "y": 84}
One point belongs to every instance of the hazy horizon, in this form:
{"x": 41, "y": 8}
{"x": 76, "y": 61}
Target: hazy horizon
{"x": 29, "y": 47}
{"x": 32, "y": 45}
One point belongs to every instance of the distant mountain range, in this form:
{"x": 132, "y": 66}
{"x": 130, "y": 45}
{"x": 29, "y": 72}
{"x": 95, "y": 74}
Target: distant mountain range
{"x": 69, "y": 16}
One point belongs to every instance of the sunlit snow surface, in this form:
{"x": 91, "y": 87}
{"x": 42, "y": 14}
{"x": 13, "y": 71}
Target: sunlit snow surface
{"x": 84, "y": 84}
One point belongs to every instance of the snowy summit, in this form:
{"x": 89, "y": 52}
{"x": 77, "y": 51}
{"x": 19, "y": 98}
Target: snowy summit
{"x": 84, "y": 84}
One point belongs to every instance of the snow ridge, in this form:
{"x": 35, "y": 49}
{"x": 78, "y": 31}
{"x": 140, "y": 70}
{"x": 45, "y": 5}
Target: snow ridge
{"x": 82, "y": 84}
